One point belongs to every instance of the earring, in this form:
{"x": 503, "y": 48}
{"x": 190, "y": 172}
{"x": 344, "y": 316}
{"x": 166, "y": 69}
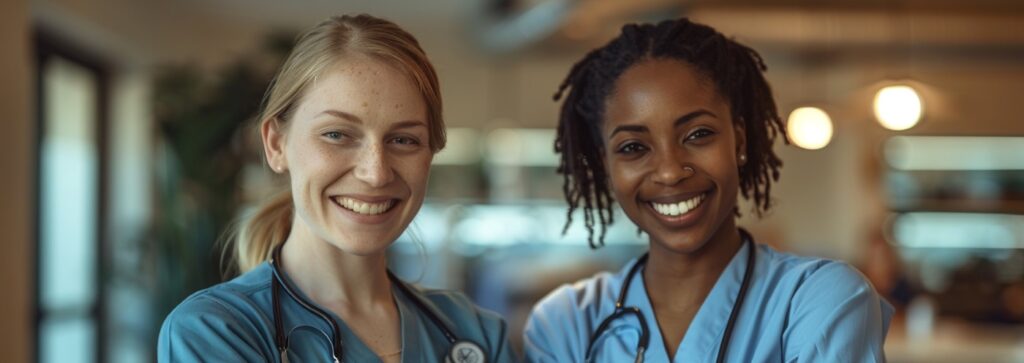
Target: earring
{"x": 743, "y": 159}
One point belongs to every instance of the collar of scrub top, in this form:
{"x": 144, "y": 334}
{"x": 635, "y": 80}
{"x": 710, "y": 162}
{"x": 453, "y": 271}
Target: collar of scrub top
{"x": 461, "y": 351}
{"x": 645, "y": 338}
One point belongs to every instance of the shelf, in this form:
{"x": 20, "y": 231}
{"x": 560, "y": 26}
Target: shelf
{"x": 954, "y": 205}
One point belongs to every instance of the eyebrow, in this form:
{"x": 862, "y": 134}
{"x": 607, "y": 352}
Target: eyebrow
{"x": 350, "y": 117}
{"x": 679, "y": 121}
{"x": 408, "y": 124}
{"x": 343, "y": 115}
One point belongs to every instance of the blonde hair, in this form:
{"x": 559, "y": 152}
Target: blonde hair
{"x": 319, "y": 48}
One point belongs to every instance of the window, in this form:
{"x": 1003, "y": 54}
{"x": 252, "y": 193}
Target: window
{"x": 71, "y": 114}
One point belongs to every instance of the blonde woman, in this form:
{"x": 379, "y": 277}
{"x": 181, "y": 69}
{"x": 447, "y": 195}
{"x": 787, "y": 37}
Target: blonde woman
{"x": 353, "y": 118}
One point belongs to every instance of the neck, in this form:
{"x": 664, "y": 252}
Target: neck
{"x": 698, "y": 270}
{"x": 332, "y": 277}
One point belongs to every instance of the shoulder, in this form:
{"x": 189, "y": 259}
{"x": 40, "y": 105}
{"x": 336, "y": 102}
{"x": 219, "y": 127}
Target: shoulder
{"x": 583, "y": 297}
{"x": 560, "y": 323}
{"x": 832, "y": 309}
{"x": 813, "y": 285}
{"x": 472, "y": 322}
{"x": 455, "y": 304}
{"x": 215, "y": 306}
{"x": 197, "y": 315}
{"x": 813, "y": 279}
{"x": 221, "y": 322}
{"x": 828, "y": 290}
{"x": 796, "y": 274}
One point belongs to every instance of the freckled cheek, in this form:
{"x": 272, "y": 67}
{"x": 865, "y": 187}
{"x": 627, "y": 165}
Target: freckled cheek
{"x": 414, "y": 170}
{"x": 318, "y": 164}
{"x": 333, "y": 158}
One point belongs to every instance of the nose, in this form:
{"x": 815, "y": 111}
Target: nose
{"x": 373, "y": 166}
{"x": 670, "y": 169}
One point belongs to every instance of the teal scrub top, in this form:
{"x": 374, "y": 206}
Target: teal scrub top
{"x": 797, "y": 309}
{"x": 234, "y": 322}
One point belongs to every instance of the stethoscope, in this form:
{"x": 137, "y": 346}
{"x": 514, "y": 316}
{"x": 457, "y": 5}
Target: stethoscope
{"x": 645, "y": 338}
{"x": 460, "y": 351}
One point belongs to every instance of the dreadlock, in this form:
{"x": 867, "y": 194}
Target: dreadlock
{"x": 735, "y": 69}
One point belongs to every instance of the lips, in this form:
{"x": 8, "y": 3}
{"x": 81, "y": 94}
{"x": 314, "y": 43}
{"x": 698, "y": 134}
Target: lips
{"x": 364, "y": 207}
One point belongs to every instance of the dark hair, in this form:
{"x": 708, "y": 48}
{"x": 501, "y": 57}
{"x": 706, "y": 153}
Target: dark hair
{"x": 737, "y": 73}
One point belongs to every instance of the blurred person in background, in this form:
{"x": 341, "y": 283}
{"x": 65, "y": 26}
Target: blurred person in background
{"x": 354, "y": 119}
{"x": 672, "y": 121}
{"x": 883, "y": 269}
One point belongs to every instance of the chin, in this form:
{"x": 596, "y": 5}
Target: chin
{"x": 685, "y": 243}
{"x": 362, "y": 244}
{"x": 360, "y": 249}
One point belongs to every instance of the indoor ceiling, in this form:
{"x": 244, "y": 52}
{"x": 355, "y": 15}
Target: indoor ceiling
{"x": 173, "y": 30}
{"x": 959, "y": 21}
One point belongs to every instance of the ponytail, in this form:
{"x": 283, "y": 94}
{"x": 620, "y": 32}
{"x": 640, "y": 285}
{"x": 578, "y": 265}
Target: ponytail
{"x": 259, "y": 233}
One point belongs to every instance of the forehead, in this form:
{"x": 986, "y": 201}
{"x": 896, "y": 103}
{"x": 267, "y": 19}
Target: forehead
{"x": 657, "y": 86}
{"x": 361, "y": 84}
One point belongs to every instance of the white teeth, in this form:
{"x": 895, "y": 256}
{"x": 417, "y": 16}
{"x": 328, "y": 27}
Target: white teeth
{"x": 363, "y": 207}
{"x": 680, "y": 208}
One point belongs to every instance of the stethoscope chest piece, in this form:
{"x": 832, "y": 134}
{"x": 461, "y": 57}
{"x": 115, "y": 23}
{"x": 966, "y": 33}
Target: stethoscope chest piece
{"x": 464, "y": 351}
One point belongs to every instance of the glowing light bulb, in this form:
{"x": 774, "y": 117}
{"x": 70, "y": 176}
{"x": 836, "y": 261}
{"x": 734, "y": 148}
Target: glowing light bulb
{"x": 898, "y": 107}
{"x": 809, "y": 128}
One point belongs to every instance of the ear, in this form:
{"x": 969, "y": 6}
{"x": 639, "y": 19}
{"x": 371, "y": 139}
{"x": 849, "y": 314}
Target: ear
{"x": 273, "y": 144}
{"x": 740, "y": 130}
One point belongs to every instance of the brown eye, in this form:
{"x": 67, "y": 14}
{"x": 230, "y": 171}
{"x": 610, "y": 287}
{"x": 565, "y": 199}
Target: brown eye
{"x": 631, "y": 148}
{"x": 699, "y": 134}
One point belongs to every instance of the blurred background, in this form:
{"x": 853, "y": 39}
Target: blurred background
{"x": 129, "y": 147}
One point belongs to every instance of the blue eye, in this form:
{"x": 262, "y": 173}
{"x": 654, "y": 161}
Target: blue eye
{"x": 333, "y": 135}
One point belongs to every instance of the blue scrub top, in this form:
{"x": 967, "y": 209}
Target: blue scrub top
{"x": 797, "y": 309}
{"x": 234, "y": 322}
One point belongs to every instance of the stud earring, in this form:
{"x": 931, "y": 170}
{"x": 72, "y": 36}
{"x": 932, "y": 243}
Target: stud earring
{"x": 743, "y": 159}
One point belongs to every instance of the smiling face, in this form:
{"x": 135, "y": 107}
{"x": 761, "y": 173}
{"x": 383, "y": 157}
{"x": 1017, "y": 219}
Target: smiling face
{"x": 357, "y": 151}
{"x": 671, "y": 151}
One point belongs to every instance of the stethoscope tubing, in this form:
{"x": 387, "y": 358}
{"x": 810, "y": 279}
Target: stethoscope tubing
{"x": 642, "y": 345}
{"x": 422, "y": 306}
{"x": 280, "y": 283}
{"x": 740, "y": 296}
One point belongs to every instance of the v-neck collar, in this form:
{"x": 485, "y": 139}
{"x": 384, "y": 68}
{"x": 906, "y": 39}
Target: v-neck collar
{"x": 409, "y": 324}
{"x": 354, "y": 347}
{"x": 705, "y": 331}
